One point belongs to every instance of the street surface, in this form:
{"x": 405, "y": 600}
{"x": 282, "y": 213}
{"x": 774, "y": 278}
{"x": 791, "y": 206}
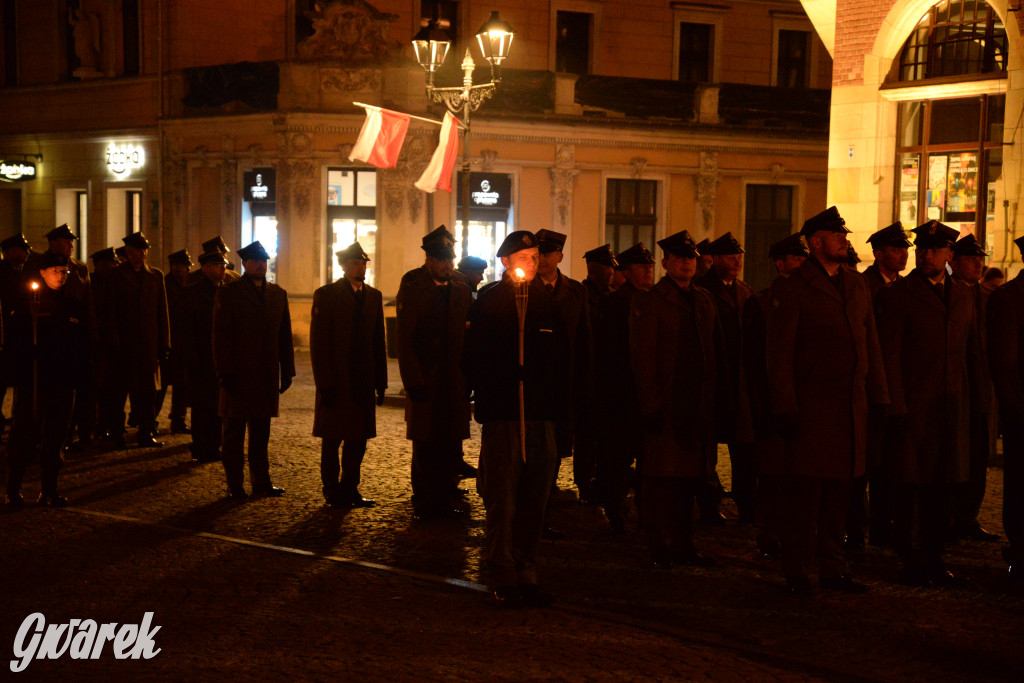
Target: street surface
{"x": 286, "y": 588}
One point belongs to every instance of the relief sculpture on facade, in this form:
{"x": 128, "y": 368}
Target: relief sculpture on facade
{"x": 351, "y": 31}
{"x": 563, "y": 178}
{"x": 707, "y": 181}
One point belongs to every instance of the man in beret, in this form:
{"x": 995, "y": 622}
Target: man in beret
{"x": 968, "y": 264}
{"x": 514, "y": 477}
{"x": 824, "y": 373}
{"x": 139, "y": 335}
{"x": 928, "y": 329}
{"x": 787, "y": 255}
{"x": 219, "y": 246}
{"x": 618, "y": 407}
{"x": 674, "y": 346}
{"x": 432, "y": 311}
{"x": 734, "y": 426}
{"x": 201, "y": 386}
{"x": 1005, "y": 328}
{"x": 255, "y": 362}
{"x": 472, "y": 268}
{"x": 172, "y": 372}
{"x": 346, "y": 344}
{"x": 49, "y": 339}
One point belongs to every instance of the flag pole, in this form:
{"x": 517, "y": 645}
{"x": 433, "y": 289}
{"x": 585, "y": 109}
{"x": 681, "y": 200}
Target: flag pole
{"x": 418, "y": 118}
{"x": 522, "y": 293}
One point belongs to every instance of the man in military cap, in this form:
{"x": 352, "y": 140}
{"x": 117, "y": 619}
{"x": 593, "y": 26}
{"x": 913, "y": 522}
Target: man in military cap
{"x": 1005, "y": 327}
{"x": 674, "y": 350}
{"x": 514, "y": 477}
{"x": 61, "y": 241}
{"x": 255, "y": 362}
{"x": 472, "y": 269}
{"x": 928, "y": 329}
{"x": 432, "y": 311}
{"x": 172, "y": 372}
{"x": 139, "y": 335}
{"x": 600, "y": 269}
{"x": 201, "y": 385}
{"x": 734, "y": 426}
{"x": 787, "y": 255}
{"x": 346, "y": 340}
{"x": 824, "y": 373}
{"x": 216, "y": 245}
{"x": 618, "y": 405}
{"x": 49, "y": 339}
{"x": 890, "y": 247}
{"x": 968, "y": 265}
{"x": 704, "y": 259}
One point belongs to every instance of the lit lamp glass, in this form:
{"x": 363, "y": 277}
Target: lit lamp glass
{"x": 495, "y": 40}
{"x": 431, "y": 47}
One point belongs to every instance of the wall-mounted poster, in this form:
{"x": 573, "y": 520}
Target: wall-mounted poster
{"x": 937, "y": 165}
{"x": 910, "y": 181}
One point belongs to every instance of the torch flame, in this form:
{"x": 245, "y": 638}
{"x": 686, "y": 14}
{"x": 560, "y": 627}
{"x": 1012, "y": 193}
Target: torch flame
{"x": 520, "y": 274}
{"x": 35, "y": 286}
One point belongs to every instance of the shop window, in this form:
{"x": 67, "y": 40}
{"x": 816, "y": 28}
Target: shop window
{"x": 259, "y": 213}
{"x": 72, "y": 207}
{"x": 955, "y": 38}
{"x": 631, "y": 214}
{"x": 949, "y": 162}
{"x": 352, "y": 217}
{"x": 572, "y": 42}
{"x": 491, "y": 217}
{"x": 124, "y": 213}
{"x": 696, "y": 52}
{"x": 769, "y": 218}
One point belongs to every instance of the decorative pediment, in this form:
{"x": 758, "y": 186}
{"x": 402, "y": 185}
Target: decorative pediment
{"x": 350, "y": 31}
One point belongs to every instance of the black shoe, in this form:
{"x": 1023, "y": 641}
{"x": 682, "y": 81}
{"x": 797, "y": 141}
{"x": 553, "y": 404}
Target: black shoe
{"x": 941, "y": 577}
{"x": 843, "y": 583}
{"x": 464, "y": 470}
{"x": 147, "y": 441}
{"x": 692, "y": 558}
{"x": 507, "y": 596}
{"x": 912, "y": 576}
{"x": 975, "y": 532}
{"x": 461, "y": 493}
{"x": 78, "y": 446}
{"x": 357, "y": 501}
{"x": 179, "y": 427}
{"x": 552, "y": 534}
{"x": 534, "y": 596}
{"x": 430, "y": 513}
{"x": 117, "y": 441}
{"x": 854, "y": 544}
{"x": 15, "y": 501}
{"x": 53, "y": 501}
{"x": 767, "y": 548}
{"x": 712, "y": 518}
{"x": 799, "y": 586}
{"x": 269, "y": 492}
{"x": 238, "y": 493}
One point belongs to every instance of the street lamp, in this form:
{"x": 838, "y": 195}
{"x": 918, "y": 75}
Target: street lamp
{"x": 431, "y": 46}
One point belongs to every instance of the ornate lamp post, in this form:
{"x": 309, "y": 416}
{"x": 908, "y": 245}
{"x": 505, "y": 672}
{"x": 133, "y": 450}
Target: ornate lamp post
{"x": 431, "y": 47}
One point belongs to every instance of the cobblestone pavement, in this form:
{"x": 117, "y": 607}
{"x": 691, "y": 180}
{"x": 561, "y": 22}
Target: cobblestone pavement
{"x": 288, "y": 588}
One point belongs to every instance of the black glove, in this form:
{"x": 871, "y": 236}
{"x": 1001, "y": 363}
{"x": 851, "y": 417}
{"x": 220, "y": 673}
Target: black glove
{"x": 787, "y": 425}
{"x": 418, "y": 394}
{"x": 380, "y": 396}
{"x": 654, "y": 422}
{"x": 329, "y": 397}
{"x": 285, "y": 383}
{"x": 229, "y": 383}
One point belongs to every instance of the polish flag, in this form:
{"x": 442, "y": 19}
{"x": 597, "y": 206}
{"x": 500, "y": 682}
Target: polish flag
{"x": 438, "y": 174}
{"x": 381, "y": 138}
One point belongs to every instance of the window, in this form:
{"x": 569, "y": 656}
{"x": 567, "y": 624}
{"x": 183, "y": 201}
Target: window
{"x": 572, "y": 42}
{"x": 949, "y": 162}
{"x": 955, "y": 38}
{"x": 769, "y": 218}
{"x": 130, "y": 34}
{"x": 351, "y": 217}
{"x": 491, "y": 217}
{"x": 631, "y": 213}
{"x": 696, "y": 43}
{"x": 793, "y": 67}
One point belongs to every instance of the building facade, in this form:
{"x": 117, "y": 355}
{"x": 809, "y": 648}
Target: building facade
{"x": 926, "y": 107}
{"x": 615, "y": 122}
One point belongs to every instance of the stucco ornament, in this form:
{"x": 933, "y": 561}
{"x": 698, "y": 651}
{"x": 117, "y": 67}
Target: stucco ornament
{"x": 349, "y": 30}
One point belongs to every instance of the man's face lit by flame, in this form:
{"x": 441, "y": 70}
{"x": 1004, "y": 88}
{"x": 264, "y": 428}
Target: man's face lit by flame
{"x": 524, "y": 260}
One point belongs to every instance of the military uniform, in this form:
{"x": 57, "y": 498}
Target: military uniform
{"x": 674, "y": 341}
{"x": 201, "y": 385}
{"x": 210, "y": 246}
{"x": 172, "y": 371}
{"x": 346, "y": 340}
{"x": 1005, "y": 326}
{"x": 12, "y": 283}
{"x": 431, "y": 326}
{"x": 49, "y": 338}
{"x": 929, "y": 338}
{"x": 253, "y": 356}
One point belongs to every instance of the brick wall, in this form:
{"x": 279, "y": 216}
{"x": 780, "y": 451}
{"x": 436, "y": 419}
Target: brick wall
{"x": 857, "y": 24}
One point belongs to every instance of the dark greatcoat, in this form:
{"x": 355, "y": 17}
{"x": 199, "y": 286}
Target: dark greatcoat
{"x": 825, "y": 365}
{"x": 770, "y": 448}
{"x": 570, "y": 299}
{"x": 875, "y": 281}
{"x": 617, "y": 404}
{"x": 346, "y": 344}
{"x": 1005, "y": 326}
{"x": 252, "y": 342}
{"x": 674, "y": 338}
{"x": 173, "y": 371}
{"x": 932, "y": 354}
{"x": 734, "y": 422}
{"x": 431, "y": 327}
{"x": 139, "y": 329}
{"x": 197, "y": 347}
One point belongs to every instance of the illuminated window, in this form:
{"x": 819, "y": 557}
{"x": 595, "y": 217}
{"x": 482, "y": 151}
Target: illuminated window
{"x": 351, "y": 217}
{"x": 631, "y": 214}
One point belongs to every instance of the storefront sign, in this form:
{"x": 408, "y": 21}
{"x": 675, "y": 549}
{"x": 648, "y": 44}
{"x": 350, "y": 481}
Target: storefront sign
{"x": 122, "y": 159}
{"x": 259, "y": 185}
{"x": 490, "y": 190}
{"x": 17, "y": 171}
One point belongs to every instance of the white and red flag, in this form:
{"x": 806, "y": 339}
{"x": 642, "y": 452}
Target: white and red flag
{"x": 438, "y": 174}
{"x": 381, "y": 138}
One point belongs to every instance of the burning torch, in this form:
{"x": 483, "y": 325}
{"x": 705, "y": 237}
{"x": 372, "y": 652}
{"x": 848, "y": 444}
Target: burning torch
{"x": 522, "y": 290}
{"x": 35, "y": 347}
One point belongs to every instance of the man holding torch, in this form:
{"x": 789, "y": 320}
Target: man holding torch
{"x": 514, "y": 359}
